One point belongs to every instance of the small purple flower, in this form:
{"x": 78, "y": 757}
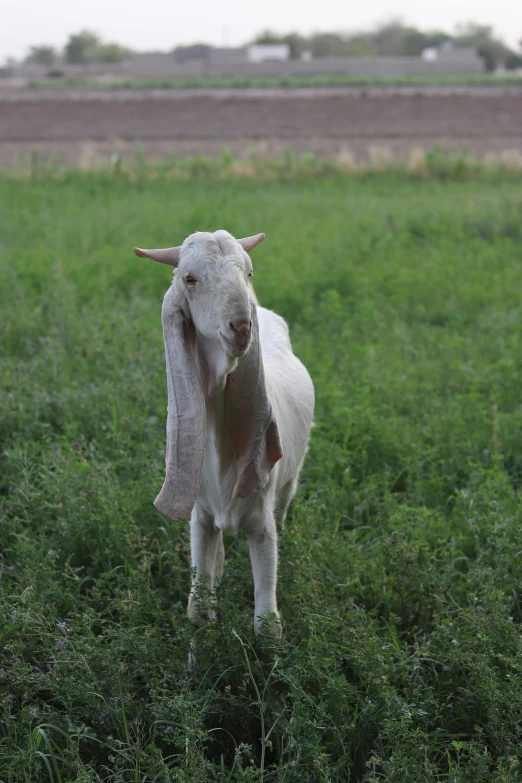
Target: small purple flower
{"x": 367, "y": 764}
{"x": 110, "y": 758}
{"x": 362, "y": 606}
{"x": 68, "y": 620}
{"x": 480, "y": 609}
{"x": 11, "y": 568}
{"x": 50, "y": 552}
{"x": 510, "y": 619}
{"x": 36, "y": 669}
{"x": 168, "y": 729}
{"x": 114, "y": 699}
{"x": 152, "y": 692}
{"x": 486, "y": 452}
{"x": 62, "y": 628}
{"x": 347, "y": 608}
{"x": 59, "y": 646}
{"x": 77, "y": 446}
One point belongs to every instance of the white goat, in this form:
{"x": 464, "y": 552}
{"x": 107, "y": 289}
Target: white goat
{"x": 240, "y": 408}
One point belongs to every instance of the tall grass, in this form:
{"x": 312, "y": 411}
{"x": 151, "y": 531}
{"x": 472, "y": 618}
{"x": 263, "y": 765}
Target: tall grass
{"x": 400, "y": 575}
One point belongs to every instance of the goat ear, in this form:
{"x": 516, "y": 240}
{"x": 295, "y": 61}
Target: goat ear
{"x": 186, "y": 412}
{"x": 249, "y": 243}
{"x": 250, "y": 420}
{"x": 165, "y": 255}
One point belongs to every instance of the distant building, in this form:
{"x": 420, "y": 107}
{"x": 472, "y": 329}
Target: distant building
{"x": 186, "y": 54}
{"x": 430, "y": 55}
{"x": 262, "y": 53}
{"x": 274, "y": 60}
{"x": 227, "y": 54}
{"x": 201, "y": 61}
{"x": 448, "y": 53}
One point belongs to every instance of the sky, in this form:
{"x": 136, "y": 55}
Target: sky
{"x": 155, "y": 25}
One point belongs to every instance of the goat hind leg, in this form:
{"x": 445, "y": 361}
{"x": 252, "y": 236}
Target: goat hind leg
{"x": 219, "y": 562}
{"x": 284, "y": 498}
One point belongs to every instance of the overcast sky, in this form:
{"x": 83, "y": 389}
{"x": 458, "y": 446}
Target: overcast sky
{"x": 161, "y": 24}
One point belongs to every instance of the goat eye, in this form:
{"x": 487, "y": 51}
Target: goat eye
{"x": 190, "y": 280}
{"x": 250, "y": 274}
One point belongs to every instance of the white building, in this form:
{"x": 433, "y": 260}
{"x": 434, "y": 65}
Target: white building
{"x": 262, "y": 53}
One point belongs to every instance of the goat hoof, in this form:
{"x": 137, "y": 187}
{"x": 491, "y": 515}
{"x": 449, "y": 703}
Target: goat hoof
{"x": 268, "y": 625}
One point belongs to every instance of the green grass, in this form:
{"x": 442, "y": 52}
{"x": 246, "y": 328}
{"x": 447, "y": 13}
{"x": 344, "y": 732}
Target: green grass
{"x": 327, "y": 80}
{"x": 401, "y": 569}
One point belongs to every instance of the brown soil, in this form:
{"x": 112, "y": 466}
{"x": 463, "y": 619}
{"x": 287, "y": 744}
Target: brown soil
{"x": 322, "y": 121}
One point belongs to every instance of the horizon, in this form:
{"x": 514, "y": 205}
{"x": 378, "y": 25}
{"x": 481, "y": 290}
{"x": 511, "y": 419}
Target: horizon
{"x": 29, "y": 24}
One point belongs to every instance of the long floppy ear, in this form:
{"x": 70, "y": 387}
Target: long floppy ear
{"x": 250, "y": 420}
{"x": 165, "y": 255}
{"x": 186, "y": 412}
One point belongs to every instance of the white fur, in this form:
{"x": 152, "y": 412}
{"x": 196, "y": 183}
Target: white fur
{"x": 222, "y": 266}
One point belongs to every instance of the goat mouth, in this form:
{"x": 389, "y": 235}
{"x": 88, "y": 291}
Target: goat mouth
{"x": 236, "y": 347}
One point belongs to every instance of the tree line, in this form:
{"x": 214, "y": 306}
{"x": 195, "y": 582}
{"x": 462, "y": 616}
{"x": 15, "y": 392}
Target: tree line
{"x": 398, "y": 39}
{"x": 81, "y": 48}
{"x": 391, "y": 39}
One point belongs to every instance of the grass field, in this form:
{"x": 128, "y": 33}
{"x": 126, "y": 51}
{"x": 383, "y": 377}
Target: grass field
{"x": 401, "y": 571}
{"x": 327, "y": 80}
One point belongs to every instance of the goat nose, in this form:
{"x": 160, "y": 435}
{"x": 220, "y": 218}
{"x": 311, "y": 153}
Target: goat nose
{"x": 241, "y": 327}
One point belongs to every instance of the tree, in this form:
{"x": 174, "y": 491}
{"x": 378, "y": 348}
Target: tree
{"x": 87, "y": 47}
{"x": 42, "y": 55}
{"x": 297, "y": 43}
{"x": 493, "y": 51}
{"x": 82, "y": 47}
{"x": 112, "y": 53}
{"x": 513, "y": 61}
{"x": 269, "y": 37}
{"x": 394, "y": 38}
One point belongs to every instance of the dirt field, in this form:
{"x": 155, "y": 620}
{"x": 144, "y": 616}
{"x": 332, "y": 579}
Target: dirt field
{"x": 329, "y": 122}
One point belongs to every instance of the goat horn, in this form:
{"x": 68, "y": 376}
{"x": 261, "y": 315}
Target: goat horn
{"x": 165, "y": 255}
{"x": 249, "y": 243}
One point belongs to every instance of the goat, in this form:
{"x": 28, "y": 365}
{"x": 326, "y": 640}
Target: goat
{"x": 240, "y": 409}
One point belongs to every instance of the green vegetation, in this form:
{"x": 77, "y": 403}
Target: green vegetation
{"x": 397, "y": 39}
{"x": 42, "y": 55}
{"x": 281, "y": 81}
{"x": 401, "y": 571}
{"x": 81, "y": 48}
{"x": 393, "y": 38}
{"x": 87, "y": 47}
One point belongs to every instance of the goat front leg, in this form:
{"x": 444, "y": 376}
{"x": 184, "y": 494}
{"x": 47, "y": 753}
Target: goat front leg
{"x": 262, "y": 542}
{"x": 206, "y": 544}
